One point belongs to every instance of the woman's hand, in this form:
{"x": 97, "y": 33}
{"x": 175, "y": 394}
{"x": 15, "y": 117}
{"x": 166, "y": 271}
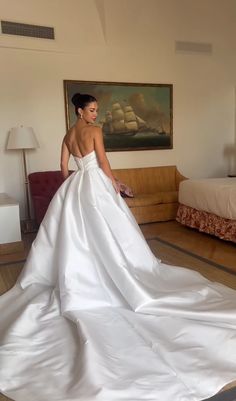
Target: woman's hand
{"x": 116, "y": 186}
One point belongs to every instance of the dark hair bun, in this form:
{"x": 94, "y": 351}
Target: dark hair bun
{"x": 81, "y": 101}
{"x": 76, "y": 98}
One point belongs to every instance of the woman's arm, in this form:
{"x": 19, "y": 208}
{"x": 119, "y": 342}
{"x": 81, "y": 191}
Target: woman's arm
{"x": 65, "y": 155}
{"x": 102, "y": 157}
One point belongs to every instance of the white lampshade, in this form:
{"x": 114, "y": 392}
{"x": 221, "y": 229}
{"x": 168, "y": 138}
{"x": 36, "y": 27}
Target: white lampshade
{"x": 22, "y": 138}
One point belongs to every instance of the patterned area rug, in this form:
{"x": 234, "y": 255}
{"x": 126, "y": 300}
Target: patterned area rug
{"x": 168, "y": 253}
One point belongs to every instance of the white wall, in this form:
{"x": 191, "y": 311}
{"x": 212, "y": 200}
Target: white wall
{"x": 123, "y": 41}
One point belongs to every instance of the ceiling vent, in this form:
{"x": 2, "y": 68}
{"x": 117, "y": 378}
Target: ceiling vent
{"x": 193, "y": 47}
{"x": 32, "y": 31}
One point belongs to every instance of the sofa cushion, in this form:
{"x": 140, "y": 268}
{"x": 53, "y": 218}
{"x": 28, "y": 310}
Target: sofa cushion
{"x": 153, "y": 213}
{"x": 148, "y": 180}
{"x": 153, "y": 199}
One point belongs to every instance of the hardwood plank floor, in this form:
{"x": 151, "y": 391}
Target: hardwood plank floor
{"x": 22, "y": 255}
{"x": 200, "y": 244}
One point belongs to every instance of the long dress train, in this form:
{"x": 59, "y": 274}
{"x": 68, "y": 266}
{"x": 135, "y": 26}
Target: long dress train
{"x": 95, "y": 316}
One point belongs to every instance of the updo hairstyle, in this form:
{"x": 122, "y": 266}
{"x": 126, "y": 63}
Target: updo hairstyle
{"x": 81, "y": 101}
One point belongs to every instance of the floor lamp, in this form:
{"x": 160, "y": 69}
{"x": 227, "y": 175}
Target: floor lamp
{"x": 23, "y": 138}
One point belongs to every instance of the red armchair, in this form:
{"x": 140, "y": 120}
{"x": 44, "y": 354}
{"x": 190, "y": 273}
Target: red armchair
{"x": 43, "y": 185}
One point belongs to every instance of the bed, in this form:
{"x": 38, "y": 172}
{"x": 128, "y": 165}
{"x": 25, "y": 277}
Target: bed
{"x": 209, "y": 205}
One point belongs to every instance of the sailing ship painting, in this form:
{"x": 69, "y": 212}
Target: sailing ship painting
{"x": 132, "y": 116}
{"x": 123, "y": 121}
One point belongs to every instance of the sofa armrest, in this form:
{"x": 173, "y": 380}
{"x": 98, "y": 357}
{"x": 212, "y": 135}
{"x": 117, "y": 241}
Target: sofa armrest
{"x": 178, "y": 178}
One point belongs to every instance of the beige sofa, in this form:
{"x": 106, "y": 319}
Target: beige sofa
{"x": 155, "y": 192}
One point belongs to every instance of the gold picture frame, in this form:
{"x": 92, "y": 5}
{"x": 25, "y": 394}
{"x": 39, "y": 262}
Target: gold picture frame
{"x": 133, "y": 116}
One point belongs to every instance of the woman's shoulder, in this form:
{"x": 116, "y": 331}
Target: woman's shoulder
{"x": 69, "y": 136}
{"x": 70, "y": 132}
{"x": 93, "y": 129}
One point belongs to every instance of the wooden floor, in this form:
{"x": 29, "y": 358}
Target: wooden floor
{"x": 203, "y": 245}
{"x": 22, "y": 255}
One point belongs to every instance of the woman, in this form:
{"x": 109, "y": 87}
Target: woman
{"x": 94, "y": 315}
{"x": 84, "y": 138}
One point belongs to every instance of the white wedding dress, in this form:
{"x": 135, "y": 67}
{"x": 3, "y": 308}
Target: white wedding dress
{"x": 94, "y": 315}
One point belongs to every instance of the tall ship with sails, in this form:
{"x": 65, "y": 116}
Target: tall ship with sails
{"x": 123, "y": 121}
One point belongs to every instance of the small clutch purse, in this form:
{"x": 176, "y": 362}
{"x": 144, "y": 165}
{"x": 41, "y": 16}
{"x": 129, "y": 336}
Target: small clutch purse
{"x": 125, "y": 191}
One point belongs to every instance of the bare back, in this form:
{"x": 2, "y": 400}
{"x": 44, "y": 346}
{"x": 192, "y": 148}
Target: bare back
{"x": 80, "y": 140}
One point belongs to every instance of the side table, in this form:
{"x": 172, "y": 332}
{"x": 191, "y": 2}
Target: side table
{"x": 10, "y": 232}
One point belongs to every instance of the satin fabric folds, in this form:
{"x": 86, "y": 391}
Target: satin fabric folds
{"x": 95, "y": 316}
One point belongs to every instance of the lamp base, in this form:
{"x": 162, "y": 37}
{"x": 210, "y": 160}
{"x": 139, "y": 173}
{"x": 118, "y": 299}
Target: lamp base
{"x": 28, "y": 226}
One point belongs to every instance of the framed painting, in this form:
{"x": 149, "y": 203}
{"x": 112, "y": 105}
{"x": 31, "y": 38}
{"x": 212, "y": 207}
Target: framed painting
{"x": 132, "y": 116}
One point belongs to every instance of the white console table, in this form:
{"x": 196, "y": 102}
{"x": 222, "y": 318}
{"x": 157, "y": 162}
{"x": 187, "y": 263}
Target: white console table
{"x": 10, "y": 232}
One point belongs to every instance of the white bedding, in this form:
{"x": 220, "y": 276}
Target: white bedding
{"x": 212, "y": 195}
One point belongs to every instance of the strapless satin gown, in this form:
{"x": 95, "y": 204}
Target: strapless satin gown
{"x": 94, "y": 315}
